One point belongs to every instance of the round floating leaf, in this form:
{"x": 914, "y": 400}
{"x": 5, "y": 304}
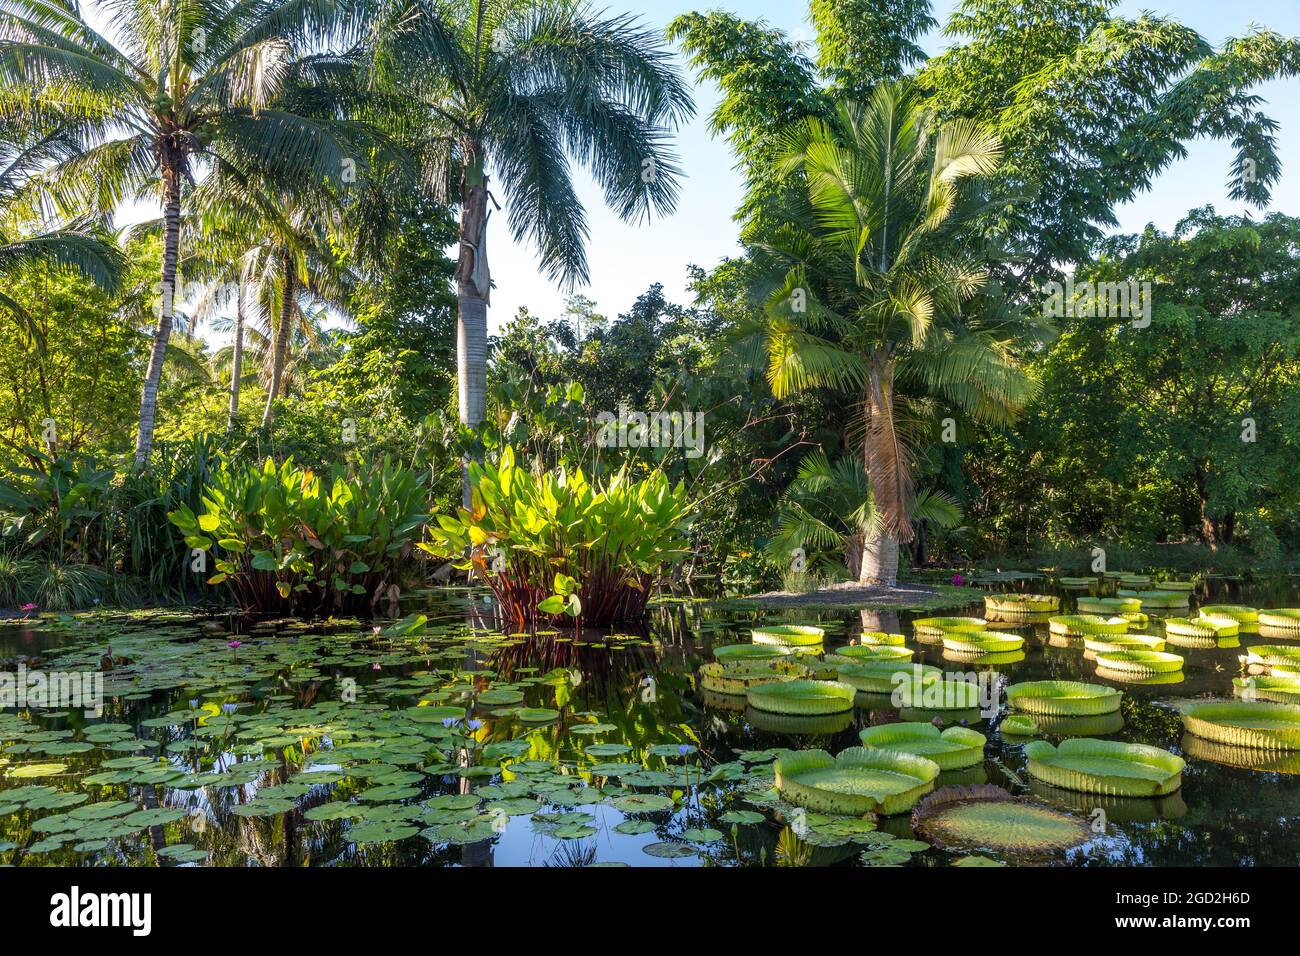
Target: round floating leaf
{"x": 633, "y": 827}
{"x": 702, "y": 835}
{"x": 642, "y": 803}
{"x": 987, "y": 817}
{"x": 668, "y": 851}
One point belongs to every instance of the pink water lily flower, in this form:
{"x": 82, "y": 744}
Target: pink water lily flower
{"x": 958, "y": 580}
{"x": 28, "y": 607}
{"x": 234, "y": 644}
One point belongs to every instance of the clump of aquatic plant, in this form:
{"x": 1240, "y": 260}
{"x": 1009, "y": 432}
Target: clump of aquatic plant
{"x": 16, "y": 576}
{"x": 856, "y": 782}
{"x": 281, "y": 538}
{"x": 989, "y": 818}
{"x": 528, "y": 531}
{"x": 1107, "y": 767}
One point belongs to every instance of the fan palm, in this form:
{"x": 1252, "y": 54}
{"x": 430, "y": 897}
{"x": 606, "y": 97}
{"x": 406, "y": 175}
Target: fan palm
{"x": 828, "y": 507}
{"x": 190, "y": 86}
{"x": 522, "y": 87}
{"x": 872, "y": 287}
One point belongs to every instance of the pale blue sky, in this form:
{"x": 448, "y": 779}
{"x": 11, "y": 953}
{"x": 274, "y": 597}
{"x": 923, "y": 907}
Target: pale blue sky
{"x": 624, "y": 260}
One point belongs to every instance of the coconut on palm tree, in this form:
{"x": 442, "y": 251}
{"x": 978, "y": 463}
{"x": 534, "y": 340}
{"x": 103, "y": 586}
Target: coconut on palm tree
{"x": 189, "y": 86}
{"x": 508, "y": 93}
{"x": 874, "y": 286}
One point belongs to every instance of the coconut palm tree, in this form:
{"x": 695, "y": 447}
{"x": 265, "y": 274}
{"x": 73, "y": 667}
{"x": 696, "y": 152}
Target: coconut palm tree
{"x": 517, "y": 90}
{"x": 189, "y": 87}
{"x": 281, "y": 278}
{"x": 873, "y": 286}
{"x": 82, "y": 244}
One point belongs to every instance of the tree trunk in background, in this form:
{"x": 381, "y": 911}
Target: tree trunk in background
{"x": 880, "y": 561}
{"x": 473, "y": 288}
{"x": 166, "y": 313}
{"x": 1209, "y": 531}
{"x": 282, "y": 327}
{"x": 889, "y": 473}
{"x": 237, "y": 358}
{"x": 853, "y": 555}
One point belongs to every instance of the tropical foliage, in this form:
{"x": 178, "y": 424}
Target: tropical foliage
{"x": 282, "y": 538}
{"x": 555, "y": 543}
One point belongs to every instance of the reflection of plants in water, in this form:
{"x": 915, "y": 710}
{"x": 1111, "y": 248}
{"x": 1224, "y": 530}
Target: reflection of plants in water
{"x": 791, "y": 851}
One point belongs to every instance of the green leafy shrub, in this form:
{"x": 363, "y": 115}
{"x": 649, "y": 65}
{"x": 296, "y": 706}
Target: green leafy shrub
{"x": 284, "y": 540}
{"x": 556, "y": 540}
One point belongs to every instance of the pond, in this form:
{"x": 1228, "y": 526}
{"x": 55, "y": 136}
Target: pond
{"x": 445, "y": 743}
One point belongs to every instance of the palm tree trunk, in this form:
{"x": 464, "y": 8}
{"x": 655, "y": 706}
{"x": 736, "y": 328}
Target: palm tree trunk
{"x": 880, "y": 561}
{"x": 282, "y": 331}
{"x": 473, "y": 287}
{"x": 153, "y": 375}
{"x": 237, "y": 359}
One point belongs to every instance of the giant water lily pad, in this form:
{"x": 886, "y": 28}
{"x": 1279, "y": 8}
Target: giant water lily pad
{"x": 881, "y": 677}
{"x": 802, "y": 697}
{"x": 737, "y": 653}
{"x": 856, "y": 782}
{"x": 1140, "y": 663}
{"x": 1063, "y": 698}
{"x": 951, "y": 749}
{"x": 1261, "y": 724}
{"x": 788, "y": 635}
{"x": 1012, "y": 605}
{"x": 736, "y": 679}
{"x": 1106, "y": 767}
{"x": 990, "y": 819}
{"x": 857, "y": 653}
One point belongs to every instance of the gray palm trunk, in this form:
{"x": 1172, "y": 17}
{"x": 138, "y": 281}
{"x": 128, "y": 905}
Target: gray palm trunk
{"x": 166, "y": 318}
{"x": 473, "y": 287}
{"x": 879, "y": 560}
{"x": 237, "y": 358}
{"x": 282, "y": 330}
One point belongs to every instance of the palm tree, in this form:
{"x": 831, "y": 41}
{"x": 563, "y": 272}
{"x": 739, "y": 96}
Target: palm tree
{"x": 190, "y": 87}
{"x": 82, "y": 244}
{"x": 280, "y": 278}
{"x": 519, "y": 88}
{"x": 872, "y": 287}
{"x": 828, "y": 507}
